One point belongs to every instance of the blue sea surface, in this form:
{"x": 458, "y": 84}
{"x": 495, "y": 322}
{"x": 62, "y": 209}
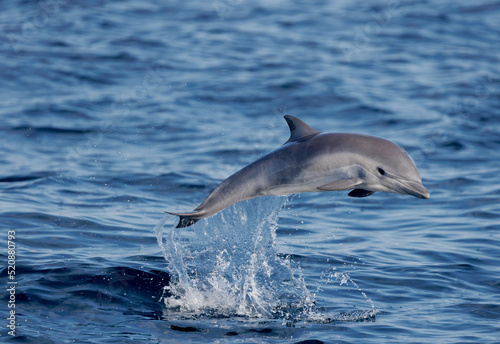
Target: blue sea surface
{"x": 114, "y": 111}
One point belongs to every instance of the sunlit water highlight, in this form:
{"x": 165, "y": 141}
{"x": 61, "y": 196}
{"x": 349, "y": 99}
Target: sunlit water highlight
{"x": 229, "y": 266}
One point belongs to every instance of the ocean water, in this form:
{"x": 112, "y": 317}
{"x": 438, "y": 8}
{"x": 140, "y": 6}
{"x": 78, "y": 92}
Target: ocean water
{"x": 114, "y": 111}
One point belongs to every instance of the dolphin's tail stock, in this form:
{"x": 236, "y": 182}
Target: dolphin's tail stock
{"x": 187, "y": 219}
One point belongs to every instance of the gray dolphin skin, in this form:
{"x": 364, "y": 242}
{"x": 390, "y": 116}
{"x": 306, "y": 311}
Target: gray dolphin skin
{"x": 311, "y": 161}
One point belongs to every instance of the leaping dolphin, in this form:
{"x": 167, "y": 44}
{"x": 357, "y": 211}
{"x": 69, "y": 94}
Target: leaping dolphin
{"x": 312, "y": 161}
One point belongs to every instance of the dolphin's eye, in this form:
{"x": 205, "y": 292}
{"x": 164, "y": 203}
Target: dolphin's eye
{"x": 381, "y": 171}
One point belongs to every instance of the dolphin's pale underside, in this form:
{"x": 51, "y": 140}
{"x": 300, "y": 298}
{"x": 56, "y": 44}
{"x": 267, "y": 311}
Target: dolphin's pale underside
{"x": 311, "y": 161}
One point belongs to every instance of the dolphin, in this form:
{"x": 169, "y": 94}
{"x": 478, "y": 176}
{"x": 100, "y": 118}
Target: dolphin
{"x": 312, "y": 161}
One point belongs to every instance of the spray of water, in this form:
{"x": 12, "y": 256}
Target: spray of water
{"x": 229, "y": 266}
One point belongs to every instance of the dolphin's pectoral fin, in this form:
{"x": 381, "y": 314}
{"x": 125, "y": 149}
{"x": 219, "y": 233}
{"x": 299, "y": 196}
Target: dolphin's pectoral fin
{"x": 360, "y": 193}
{"x": 342, "y": 184}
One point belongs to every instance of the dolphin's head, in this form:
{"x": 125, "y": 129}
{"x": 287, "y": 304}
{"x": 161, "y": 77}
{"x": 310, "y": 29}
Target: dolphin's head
{"x": 390, "y": 168}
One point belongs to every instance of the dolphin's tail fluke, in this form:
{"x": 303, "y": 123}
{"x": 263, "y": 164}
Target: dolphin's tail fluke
{"x": 186, "y": 219}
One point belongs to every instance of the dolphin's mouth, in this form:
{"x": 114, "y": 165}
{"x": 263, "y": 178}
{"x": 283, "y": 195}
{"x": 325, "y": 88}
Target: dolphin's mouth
{"x": 415, "y": 189}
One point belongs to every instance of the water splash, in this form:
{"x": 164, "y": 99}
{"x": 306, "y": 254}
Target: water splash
{"x": 229, "y": 266}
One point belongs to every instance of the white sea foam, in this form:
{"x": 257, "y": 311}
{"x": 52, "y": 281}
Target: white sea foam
{"x": 229, "y": 266}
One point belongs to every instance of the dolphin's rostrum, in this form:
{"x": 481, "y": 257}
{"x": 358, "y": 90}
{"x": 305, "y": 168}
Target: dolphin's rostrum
{"x": 311, "y": 161}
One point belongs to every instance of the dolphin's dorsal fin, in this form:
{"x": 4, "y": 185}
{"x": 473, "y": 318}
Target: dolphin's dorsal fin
{"x": 299, "y": 131}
